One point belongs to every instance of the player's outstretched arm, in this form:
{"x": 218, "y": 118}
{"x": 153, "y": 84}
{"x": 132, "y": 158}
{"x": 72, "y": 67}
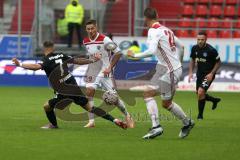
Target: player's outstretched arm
{"x": 115, "y": 59}
{"x": 82, "y": 61}
{"x": 113, "y": 62}
{"x": 153, "y": 40}
{"x": 33, "y": 67}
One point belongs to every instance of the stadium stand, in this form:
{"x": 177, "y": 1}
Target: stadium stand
{"x": 28, "y": 8}
{"x": 117, "y": 17}
{"x": 218, "y": 17}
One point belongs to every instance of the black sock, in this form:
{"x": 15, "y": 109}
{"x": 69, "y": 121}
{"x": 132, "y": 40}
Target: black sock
{"x": 51, "y": 117}
{"x": 101, "y": 113}
{"x": 209, "y": 98}
{"x": 201, "y": 105}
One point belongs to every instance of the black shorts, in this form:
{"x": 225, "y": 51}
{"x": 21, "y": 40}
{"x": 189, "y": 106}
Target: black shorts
{"x": 202, "y": 82}
{"x": 61, "y": 101}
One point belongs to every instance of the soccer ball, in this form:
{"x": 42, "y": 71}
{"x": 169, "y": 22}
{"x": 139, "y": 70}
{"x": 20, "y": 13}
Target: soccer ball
{"x": 110, "y": 97}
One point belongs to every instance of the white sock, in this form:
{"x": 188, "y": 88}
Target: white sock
{"x": 121, "y": 107}
{"x": 179, "y": 113}
{"x": 91, "y": 115}
{"x": 152, "y": 110}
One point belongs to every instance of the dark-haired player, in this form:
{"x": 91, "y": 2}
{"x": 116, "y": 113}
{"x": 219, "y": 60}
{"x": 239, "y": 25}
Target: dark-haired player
{"x": 51, "y": 61}
{"x": 100, "y": 73}
{"x": 164, "y": 45}
{"x": 208, "y": 62}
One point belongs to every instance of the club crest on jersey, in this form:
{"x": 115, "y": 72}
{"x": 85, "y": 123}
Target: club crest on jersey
{"x": 98, "y": 47}
{"x": 204, "y": 54}
{"x": 196, "y": 53}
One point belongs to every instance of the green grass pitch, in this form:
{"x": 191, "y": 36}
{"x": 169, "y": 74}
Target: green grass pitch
{"x": 217, "y": 137}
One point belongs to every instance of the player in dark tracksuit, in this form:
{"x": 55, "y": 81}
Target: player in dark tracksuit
{"x": 208, "y": 62}
{"x": 55, "y": 66}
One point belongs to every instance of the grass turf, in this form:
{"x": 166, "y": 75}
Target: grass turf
{"x": 21, "y": 115}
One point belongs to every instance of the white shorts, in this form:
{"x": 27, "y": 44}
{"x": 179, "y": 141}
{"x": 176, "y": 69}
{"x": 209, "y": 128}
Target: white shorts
{"x": 106, "y": 83}
{"x": 166, "y": 83}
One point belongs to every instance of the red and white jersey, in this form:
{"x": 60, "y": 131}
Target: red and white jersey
{"x": 162, "y": 43}
{"x": 98, "y": 46}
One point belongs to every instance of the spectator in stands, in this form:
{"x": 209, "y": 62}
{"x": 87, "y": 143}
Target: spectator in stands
{"x": 62, "y": 28}
{"x": 135, "y": 49}
{"x": 74, "y": 14}
{"x": 47, "y": 21}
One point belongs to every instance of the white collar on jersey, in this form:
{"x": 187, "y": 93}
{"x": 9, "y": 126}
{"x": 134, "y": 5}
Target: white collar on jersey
{"x": 155, "y": 23}
{"x": 94, "y": 38}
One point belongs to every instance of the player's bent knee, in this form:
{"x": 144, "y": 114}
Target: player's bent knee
{"x": 149, "y": 94}
{"x": 201, "y": 93}
{"x": 90, "y": 92}
{"x": 47, "y": 107}
{"x": 166, "y": 103}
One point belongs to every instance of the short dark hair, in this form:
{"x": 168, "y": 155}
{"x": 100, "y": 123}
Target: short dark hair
{"x": 150, "y": 13}
{"x": 48, "y": 44}
{"x": 91, "y": 21}
{"x": 202, "y": 33}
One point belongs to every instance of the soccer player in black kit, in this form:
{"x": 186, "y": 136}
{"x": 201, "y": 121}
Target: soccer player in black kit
{"x": 50, "y": 62}
{"x": 208, "y": 62}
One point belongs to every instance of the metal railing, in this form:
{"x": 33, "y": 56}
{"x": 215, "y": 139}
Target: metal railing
{"x": 195, "y": 25}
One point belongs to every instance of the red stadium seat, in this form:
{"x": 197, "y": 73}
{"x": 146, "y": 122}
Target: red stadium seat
{"x": 188, "y": 10}
{"x": 227, "y": 23}
{"x": 231, "y": 2}
{"x": 237, "y": 24}
{"x": 185, "y": 22}
{"x": 182, "y": 33}
{"x": 203, "y": 1}
{"x": 189, "y": 1}
{"x": 212, "y": 33}
{"x": 216, "y": 10}
{"x": 229, "y": 11}
{"x": 236, "y": 34}
{"x": 238, "y": 12}
{"x": 218, "y": 1}
{"x": 193, "y": 33}
{"x": 213, "y": 23}
{"x": 202, "y": 10}
{"x": 225, "y": 34}
{"x": 200, "y": 22}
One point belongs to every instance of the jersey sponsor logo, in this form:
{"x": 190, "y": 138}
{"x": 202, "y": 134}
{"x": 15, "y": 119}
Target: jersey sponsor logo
{"x": 201, "y": 60}
{"x": 56, "y": 57}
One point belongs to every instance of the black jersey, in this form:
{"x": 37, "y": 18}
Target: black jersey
{"x": 205, "y": 57}
{"x": 53, "y": 60}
